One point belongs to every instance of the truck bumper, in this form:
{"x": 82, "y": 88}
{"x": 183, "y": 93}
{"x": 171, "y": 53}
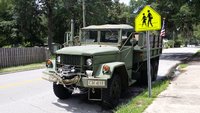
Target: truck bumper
{"x": 79, "y": 80}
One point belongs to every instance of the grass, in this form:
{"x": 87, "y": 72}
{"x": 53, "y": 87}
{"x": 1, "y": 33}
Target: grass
{"x": 182, "y": 66}
{"x": 22, "y": 68}
{"x": 185, "y": 63}
{"x": 139, "y": 103}
{"x": 196, "y": 54}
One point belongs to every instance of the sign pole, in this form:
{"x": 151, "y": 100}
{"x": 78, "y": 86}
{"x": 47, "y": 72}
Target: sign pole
{"x": 148, "y": 62}
{"x": 148, "y": 20}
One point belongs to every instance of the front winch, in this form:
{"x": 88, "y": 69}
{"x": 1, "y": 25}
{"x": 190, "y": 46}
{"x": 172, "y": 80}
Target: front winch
{"x": 67, "y": 71}
{"x": 65, "y": 75}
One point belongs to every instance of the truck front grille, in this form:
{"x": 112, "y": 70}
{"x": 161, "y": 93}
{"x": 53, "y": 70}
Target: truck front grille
{"x": 71, "y": 60}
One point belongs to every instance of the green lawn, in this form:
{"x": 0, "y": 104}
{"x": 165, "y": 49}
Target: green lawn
{"x": 197, "y": 54}
{"x": 22, "y": 68}
{"x": 139, "y": 103}
{"x": 182, "y": 66}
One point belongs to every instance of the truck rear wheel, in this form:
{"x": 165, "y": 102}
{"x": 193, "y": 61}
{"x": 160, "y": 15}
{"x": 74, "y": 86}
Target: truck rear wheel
{"x": 143, "y": 80}
{"x": 111, "y": 95}
{"x": 155, "y": 70}
{"x": 61, "y": 92}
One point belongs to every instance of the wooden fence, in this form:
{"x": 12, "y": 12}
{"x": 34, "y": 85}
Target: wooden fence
{"x": 21, "y": 56}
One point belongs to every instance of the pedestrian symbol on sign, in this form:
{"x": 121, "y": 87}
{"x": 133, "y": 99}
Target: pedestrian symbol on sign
{"x": 144, "y": 18}
{"x": 150, "y": 17}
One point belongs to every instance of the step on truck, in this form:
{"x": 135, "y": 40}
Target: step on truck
{"x": 103, "y": 61}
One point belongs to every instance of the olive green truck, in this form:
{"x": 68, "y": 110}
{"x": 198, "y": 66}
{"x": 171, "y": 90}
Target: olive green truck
{"x": 102, "y": 62}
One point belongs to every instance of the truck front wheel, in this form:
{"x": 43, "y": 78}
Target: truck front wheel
{"x": 111, "y": 95}
{"x": 61, "y": 92}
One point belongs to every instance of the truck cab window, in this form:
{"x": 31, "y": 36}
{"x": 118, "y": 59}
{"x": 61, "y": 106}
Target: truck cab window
{"x": 109, "y": 36}
{"x": 90, "y": 36}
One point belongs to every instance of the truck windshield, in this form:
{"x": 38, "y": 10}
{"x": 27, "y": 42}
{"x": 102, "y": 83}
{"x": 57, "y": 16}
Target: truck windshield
{"x": 105, "y": 36}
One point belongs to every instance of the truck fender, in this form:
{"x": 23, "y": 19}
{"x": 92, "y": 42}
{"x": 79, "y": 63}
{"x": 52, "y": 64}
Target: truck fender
{"x": 112, "y": 65}
{"x": 115, "y": 68}
{"x": 52, "y": 70}
{"x": 54, "y": 64}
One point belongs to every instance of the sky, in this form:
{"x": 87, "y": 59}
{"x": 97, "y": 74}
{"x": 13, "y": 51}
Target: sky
{"x": 125, "y": 1}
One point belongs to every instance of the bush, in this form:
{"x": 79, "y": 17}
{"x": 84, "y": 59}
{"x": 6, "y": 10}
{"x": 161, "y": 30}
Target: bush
{"x": 169, "y": 44}
{"x": 178, "y": 43}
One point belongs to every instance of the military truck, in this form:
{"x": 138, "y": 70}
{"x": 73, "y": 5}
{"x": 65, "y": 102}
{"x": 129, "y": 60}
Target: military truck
{"x": 102, "y": 62}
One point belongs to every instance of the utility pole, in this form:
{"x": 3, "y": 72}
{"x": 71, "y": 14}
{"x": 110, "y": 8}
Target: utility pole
{"x": 72, "y": 30}
{"x": 173, "y": 33}
{"x": 84, "y": 24}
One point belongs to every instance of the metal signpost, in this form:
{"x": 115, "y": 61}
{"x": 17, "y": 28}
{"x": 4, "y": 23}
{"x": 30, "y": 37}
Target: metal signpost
{"x": 147, "y": 20}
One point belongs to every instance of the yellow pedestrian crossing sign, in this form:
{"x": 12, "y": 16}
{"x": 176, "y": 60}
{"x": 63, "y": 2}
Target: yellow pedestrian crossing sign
{"x": 148, "y": 19}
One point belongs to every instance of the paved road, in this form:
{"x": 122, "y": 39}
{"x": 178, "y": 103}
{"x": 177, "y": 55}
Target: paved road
{"x": 26, "y": 92}
{"x": 171, "y": 57}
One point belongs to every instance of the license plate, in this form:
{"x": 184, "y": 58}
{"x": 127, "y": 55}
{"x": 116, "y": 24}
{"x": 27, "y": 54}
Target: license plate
{"x": 96, "y": 83}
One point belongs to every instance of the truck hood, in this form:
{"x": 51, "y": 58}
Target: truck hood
{"x": 88, "y": 50}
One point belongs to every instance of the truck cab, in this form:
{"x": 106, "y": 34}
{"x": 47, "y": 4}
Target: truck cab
{"x": 102, "y": 61}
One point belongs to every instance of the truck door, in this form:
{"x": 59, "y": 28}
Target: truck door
{"x": 126, "y": 54}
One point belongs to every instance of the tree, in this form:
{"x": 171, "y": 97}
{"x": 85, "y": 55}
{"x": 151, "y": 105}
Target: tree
{"x": 196, "y": 29}
{"x": 48, "y": 11}
{"x": 135, "y": 8}
{"x": 55, "y": 16}
{"x": 97, "y": 12}
{"x": 180, "y": 16}
{"x": 185, "y": 21}
{"x": 29, "y": 22}
{"x": 118, "y": 13}
{"x": 8, "y": 30}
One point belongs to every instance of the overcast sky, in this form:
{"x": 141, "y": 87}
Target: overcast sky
{"x": 125, "y": 1}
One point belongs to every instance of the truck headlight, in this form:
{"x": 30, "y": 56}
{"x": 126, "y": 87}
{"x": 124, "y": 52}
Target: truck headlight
{"x": 89, "y": 62}
{"x": 58, "y": 59}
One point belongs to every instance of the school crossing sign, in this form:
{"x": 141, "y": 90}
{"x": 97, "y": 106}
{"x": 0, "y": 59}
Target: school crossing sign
{"x": 148, "y": 19}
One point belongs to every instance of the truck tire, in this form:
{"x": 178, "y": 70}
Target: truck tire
{"x": 155, "y": 70}
{"x": 143, "y": 75}
{"x": 143, "y": 80}
{"x": 111, "y": 94}
{"x": 61, "y": 92}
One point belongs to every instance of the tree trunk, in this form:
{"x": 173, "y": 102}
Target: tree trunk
{"x": 49, "y": 4}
